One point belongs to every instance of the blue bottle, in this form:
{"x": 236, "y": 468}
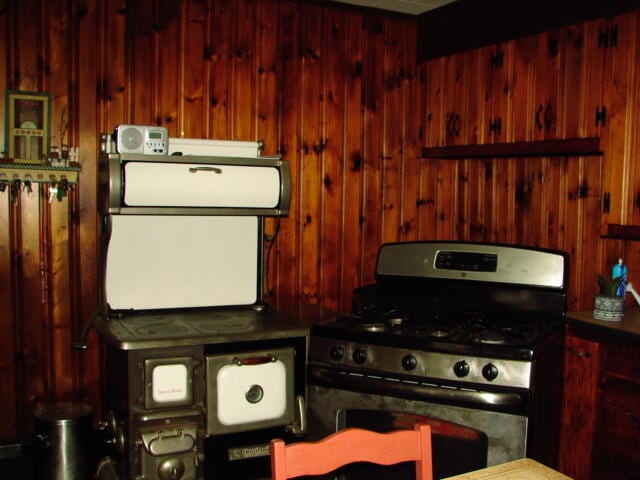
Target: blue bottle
{"x": 620, "y": 270}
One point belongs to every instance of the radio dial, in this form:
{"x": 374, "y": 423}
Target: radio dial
{"x": 360, "y": 356}
{"x": 461, "y": 369}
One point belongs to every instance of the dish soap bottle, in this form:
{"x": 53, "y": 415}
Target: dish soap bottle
{"x": 620, "y": 270}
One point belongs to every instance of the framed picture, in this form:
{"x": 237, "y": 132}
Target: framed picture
{"x": 27, "y": 126}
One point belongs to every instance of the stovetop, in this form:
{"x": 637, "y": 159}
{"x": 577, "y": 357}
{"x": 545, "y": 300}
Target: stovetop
{"x": 506, "y": 335}
{"x": 159, "y": 329}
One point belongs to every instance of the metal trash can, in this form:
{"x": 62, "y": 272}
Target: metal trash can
{"x": 65, "y": 441}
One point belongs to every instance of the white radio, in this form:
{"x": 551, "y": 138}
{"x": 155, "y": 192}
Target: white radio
{"x": 149, "y": 140}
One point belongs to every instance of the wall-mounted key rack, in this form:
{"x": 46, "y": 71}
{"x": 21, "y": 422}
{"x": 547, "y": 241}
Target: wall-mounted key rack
{"x": 19, "y": 177}
{"x": 10, "y": 172}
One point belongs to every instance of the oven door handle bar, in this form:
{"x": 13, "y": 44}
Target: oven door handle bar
{"x": 260, "y": 360}
{"x": 348, "y": 381}
{"x": 205, "y": 169}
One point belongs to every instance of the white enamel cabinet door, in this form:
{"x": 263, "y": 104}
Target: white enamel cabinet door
{"x": 166, "y": 261}
{"x": 149, "y": 184}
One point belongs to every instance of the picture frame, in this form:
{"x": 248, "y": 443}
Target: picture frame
{"x": 27, "y": 126}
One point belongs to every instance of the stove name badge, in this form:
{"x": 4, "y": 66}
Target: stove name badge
{"x": 169, "y": 383}
{"x": 250, "y": 451}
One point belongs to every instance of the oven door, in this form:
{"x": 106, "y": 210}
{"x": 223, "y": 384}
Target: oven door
{"x": 464, "y": 438}
{"x": 250, "y": 390}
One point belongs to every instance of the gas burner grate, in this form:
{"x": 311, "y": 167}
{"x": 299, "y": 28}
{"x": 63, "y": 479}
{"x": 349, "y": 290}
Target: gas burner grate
{"x": 453, "y": 327}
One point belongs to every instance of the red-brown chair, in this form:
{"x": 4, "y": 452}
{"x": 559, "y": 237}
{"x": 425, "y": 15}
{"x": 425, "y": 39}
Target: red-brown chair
{"x": 353, "y": 445}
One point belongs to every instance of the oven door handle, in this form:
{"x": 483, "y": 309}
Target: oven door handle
{"x": 351, "y": 381}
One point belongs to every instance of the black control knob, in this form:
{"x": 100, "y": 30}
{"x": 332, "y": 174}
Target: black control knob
{"x": 336, "y": 353}
{"x": 359, "y": 356}
{"x": 490, "y": 371}
{"x": 461, "y": 369}
{"x": 409, "y": 362}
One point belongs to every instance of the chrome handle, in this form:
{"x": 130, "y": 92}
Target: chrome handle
{"x": 299, "y": 426}
{"x": 205, "y": 169}
{"x": 331, "y": 378}
{"x": 254, "y": 360}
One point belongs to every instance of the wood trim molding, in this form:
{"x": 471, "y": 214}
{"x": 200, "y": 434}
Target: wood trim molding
{"x": 468, "y": 24}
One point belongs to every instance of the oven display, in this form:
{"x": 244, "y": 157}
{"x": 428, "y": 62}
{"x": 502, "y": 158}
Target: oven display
{"x": 468, "y": 261}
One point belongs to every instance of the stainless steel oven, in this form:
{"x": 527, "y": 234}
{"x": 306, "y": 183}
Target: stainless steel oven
{"x": 464, "y": 336}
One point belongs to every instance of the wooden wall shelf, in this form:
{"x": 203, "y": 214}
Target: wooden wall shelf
{"x": 38, "y": 173}
{"x": 540, "y": 148}
{"x": 622, "y": 232}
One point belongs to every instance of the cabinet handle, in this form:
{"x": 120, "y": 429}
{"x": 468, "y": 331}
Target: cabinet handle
{"x": 578, "y": 353}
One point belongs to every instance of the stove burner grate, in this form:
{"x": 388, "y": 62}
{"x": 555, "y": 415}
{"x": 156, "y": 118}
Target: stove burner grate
{"x": 453, "y": 327}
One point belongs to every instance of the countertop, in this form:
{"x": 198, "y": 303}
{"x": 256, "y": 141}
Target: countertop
{"x": 524, "y": 469}
{"x": 628, "y": 327}
{"x": 137, "y": 330}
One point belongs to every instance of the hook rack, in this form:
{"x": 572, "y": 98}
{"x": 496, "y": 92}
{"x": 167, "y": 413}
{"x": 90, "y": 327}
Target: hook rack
{"x": 33, "y": 173}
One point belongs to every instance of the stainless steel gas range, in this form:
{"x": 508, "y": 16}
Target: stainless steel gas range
{"x": 199, "y": 374}
{"x": 464, "y": 336}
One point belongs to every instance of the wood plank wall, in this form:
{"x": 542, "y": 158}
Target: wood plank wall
{"x": 338, "y": 93}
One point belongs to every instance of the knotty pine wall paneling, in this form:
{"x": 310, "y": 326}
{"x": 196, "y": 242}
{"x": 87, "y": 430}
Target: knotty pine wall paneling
{"x": 547, "y": 86}
{"x": 615, "y": 41}
{"x": 350, "y": 214}
{"x": 550, "y": 202}
{"x": 372, "y": 167}
{"x": 87, "y": 20}
{"x": 312, "y": 120}
{"x": 410, "y": 198}
{"x": 333, "y": 103}
{"x": 284, "y": 268}
{"x": 336, "y": 90}
{"x": 8, "y": 279}
{"x": 40, "y": 238}
{"x": 218, "y": 52}
{"x": 330, "y": 88}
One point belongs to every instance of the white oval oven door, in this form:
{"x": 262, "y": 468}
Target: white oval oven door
{"x": 251, "y": 393}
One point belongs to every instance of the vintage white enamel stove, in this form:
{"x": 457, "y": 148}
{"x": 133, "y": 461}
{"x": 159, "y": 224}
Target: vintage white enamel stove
{"x": 199, "y": 374}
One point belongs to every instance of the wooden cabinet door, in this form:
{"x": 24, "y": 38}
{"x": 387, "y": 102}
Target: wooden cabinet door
{"x": 454, "y": 87}
{"x": 582, "y": 367}
{"x": 610, "y": 96}
{"x": 432, "y": 74}
{"x": 498, "y": 99}
{"x": 546, "y": 85}
{"x": 618, "y": 432}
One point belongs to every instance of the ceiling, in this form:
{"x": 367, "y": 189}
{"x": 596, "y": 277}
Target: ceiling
{"x": 411, "y": 7}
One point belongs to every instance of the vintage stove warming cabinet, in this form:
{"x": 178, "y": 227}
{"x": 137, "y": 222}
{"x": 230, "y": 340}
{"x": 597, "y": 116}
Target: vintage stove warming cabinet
{"x": 199, "y": 374}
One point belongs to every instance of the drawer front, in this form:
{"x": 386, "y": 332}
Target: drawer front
{"x": 623, "y": 360}
{"x": 612, "y": 464}
{"x": 620, "y": 413}
{"x": 616, "y": 453}
{"x": 149, "y": 184}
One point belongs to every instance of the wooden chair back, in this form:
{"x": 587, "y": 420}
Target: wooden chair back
{"x": 353, "y": 445}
